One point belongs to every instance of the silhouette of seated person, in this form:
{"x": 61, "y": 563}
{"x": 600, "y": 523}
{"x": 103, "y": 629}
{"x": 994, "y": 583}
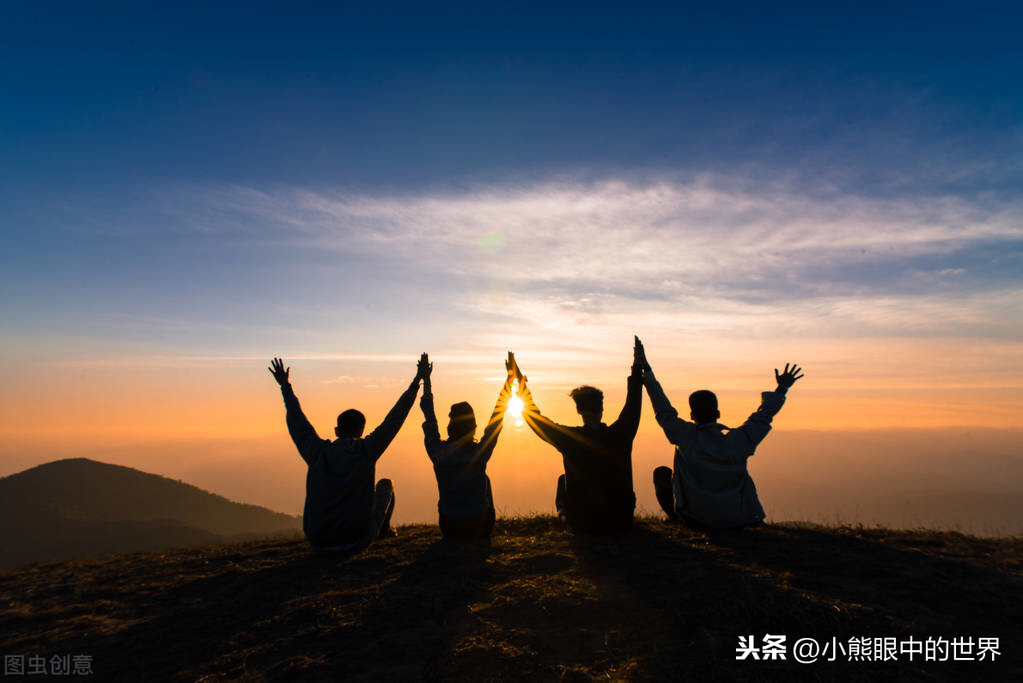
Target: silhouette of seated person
{"x": 466, "y": 502}
{"x": 710, "y": 486}
{"x": 343, "y": 508}
{"x": 595, "y": 493}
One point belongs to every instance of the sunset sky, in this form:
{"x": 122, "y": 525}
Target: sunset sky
{"x": 186, "y": 192}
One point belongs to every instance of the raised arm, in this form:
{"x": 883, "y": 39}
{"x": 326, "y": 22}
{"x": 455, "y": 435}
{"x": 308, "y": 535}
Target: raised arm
{"x": 674, "y": 427}
{"x": 493, "y": 428}
{"x": 308, "y": 442}
{"x": 745, "y": 439}
{"x": 541, "y": 426}
{"x": 380, "y": 438}
{"x": 628, "y": 421}
{"x": 431, "y": 432}
{"x": 557, "y": 435}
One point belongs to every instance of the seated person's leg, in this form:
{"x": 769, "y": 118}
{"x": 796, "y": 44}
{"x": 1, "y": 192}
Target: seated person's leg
{"x": 559, "y": 499}
{"x": 383, "y": 506}
{"x": 490, "y": 495}
{"x": 488, "y": 524}
{"x": 664, "y": 492}
{"x": 449, "y": 527}
{"x": 491, "y": 516}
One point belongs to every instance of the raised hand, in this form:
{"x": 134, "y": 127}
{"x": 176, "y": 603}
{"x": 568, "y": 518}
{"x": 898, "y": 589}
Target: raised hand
{"x": 788, "y": 376}
{"x": 277, "y": 370}
{"x": 512, "y": 367}
{"x": 522, "y": 391}
{"x": 639, "y": 356}
{"x": 424, "y": 368}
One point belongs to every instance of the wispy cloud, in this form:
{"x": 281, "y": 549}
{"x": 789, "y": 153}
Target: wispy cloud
{"x": 569, "y": 268}
{"x": 685, "y": 235}
{"x": 904, "y": 300}
{"x": 724, "y": 254}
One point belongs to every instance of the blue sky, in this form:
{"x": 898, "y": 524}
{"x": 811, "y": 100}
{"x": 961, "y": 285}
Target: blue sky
{"x": 237, "y": 180}
{"x": 883, "y": 98}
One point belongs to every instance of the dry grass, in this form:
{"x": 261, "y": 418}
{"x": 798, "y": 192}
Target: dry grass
{"x": 536, "y": 602}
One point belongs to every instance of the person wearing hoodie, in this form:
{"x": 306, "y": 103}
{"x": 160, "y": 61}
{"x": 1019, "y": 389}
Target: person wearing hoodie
{"x": 343, "y": 508}
{"x": 466, "y": 501}
{"x": 710, "y": 485}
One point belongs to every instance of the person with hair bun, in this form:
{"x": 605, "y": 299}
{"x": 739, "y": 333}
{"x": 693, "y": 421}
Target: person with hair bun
{"x": 466, "y": 501}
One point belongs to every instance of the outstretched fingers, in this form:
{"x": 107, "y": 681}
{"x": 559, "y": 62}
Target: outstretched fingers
{"x": 277, "y": 370}
{"x": 789, "y": 375}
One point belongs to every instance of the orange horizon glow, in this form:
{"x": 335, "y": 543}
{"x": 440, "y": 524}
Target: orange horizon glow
{"x": 865, "y": 384}
{"x": 221, "y": 425}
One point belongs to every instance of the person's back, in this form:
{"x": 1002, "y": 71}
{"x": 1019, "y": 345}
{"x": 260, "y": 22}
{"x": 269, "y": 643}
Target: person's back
{"x": 343, "y": 509}
{"x": 710, "y": 482}
{"x": 462, "y": 483}
{"x": 595, "y": 494}
{"x": 339, "y": 492}
{"x": 465, "y": 503}
{"x": 598, "y": 491}
{"x": 711, "y": 475}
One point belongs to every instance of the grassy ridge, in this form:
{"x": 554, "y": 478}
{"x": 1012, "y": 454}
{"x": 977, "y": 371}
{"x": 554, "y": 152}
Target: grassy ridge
{"x": 663, "y": 603}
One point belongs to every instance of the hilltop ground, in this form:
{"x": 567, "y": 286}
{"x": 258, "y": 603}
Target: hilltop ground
{"x": 536, "y": 602}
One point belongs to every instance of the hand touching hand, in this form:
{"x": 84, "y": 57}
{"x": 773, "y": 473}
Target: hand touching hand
{"x": 424, "y": 368}
{"x": 788, "y": 377}
{"x": 639, "y": 356}
{"x": 277, "y": 370}
{"x": 512, "y": 367}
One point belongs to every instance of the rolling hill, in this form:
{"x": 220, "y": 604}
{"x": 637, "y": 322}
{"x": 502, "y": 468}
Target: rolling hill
{"x": 77, "y": 507}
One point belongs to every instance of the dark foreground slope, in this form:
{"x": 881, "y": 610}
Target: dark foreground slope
{"x": 77, "y": 507}
{"x": 664, "y": 603}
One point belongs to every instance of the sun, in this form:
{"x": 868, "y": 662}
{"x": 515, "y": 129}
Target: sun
{"x": 515, "y": 407}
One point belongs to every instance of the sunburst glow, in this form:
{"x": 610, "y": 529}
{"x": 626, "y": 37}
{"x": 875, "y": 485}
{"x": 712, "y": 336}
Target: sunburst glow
{"x": 515, "y": 408}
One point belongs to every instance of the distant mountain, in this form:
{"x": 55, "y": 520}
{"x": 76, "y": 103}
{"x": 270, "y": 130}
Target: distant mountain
{"x": 71, "y": 508}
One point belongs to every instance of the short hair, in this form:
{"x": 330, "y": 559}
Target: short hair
{"x": 351, "y": 422}
{"x": 588, "y": 399}
{"x": 704, "y": 405}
